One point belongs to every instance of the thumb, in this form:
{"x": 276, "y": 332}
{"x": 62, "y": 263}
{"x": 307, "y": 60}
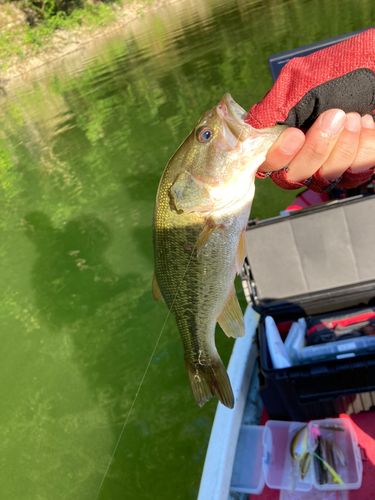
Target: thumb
{"x": 287, "y": 145}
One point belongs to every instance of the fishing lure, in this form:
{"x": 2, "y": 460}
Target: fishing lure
{"x": 298, "y": 446}
{"x": 338, "y": 453}
{"x": 335, "y": 428}
{"x": 305, "y": 464}
{"x": 336, "y": 477}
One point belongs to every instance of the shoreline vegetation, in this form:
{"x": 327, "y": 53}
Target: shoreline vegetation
{"x": 36, "y": 32}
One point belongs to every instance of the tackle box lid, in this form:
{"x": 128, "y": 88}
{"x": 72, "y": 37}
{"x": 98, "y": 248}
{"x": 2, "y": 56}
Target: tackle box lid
{"x": 313, "y": 260}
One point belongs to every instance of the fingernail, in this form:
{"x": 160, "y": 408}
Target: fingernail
{"x": 367, "y": 121}
{"x": 353, "y": 122}
{"x": 333, "y": 121}
{"x": 292, "y": 143}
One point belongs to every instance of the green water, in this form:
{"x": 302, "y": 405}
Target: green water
{"x": 82, "y": 148}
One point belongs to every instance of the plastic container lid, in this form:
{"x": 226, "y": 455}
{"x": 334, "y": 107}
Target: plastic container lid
{"x": 247, "y": 475}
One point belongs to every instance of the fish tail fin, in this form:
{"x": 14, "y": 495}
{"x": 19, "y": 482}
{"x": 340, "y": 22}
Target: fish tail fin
{"x": 209, "y": 380}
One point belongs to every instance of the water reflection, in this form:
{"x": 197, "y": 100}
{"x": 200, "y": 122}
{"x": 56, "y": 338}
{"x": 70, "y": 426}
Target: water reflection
{"x": 70, "y": 276}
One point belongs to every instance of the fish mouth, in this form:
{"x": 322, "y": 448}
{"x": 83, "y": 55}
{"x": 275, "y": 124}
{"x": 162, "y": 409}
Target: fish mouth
{"x": 234, "y": 109}
{"x": 232, "y": 117}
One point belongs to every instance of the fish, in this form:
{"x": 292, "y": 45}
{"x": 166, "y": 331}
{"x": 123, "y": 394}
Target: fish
{"x": 298, "y": 445}
{"x": 200, "y": 216}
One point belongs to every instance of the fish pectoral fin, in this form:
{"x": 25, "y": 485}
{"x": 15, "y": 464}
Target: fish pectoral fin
{"x": 156, "y": 290}
{"x": 241, "y": 252}
{"x": 208, "y": 228}
{"x": 231, "y": 318}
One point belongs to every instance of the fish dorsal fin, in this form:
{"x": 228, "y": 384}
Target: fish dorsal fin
{"x": 208, "y": 228}
{"x": 231, "y": 317}
{"x": 241, "y": 252}
{"x": 156, "y": 290}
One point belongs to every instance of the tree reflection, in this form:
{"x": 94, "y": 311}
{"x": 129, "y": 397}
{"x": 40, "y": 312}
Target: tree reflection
{"x": 70, "y": 276}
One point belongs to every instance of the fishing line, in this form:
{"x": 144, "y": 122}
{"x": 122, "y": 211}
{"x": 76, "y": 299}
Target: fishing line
{"x": 149, "y": 362}
{"x": 144, "y": 376}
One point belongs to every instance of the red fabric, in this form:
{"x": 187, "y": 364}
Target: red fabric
{"x": 280, "y": 178}
{"x": 319, "y": 183}
{"x": 307, "y": 199}
{"x": 364, "y": 426}
{"x": 284, "y": 327}
{"x": 302, "y": 74}
{"x": 352, "y": 180}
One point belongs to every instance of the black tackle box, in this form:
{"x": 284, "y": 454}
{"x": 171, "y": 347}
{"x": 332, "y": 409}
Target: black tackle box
{"x": 313, "y": 261}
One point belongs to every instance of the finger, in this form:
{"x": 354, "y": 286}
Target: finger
{"x": 367, "y": 121}
{"x": 283, "y": 150}
{"x": 344, "y": 152}
{"x": 365, "y": 157}
{"x": 320, "y": 141}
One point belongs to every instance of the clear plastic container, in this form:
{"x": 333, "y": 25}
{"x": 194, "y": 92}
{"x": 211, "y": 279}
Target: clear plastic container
{"x": 351, "y": 473}
{"x": 314, "y": 494}
{"x": 263, "y": 455}
{"x": 281, "y": 472}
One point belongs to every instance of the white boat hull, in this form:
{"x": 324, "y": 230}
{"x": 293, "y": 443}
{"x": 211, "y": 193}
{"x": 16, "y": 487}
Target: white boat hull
{"x": 217, "y": 472}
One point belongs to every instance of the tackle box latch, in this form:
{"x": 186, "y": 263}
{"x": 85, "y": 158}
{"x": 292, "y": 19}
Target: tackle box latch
{"x": 252, "y": 222}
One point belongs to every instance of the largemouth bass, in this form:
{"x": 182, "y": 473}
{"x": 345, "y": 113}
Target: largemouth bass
{"x": 202, "y": 207}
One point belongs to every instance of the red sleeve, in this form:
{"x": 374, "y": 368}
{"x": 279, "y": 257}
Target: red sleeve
{"x": 341, "y": 76}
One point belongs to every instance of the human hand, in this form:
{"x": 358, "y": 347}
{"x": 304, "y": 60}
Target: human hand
{"x": 306, "y": 94}
{"x": 335, "y": 142}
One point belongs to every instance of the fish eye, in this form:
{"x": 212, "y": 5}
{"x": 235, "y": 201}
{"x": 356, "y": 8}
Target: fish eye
{"x": 204, "y": 134}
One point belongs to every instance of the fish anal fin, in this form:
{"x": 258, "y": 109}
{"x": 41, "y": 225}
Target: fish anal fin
{"x": 231, "y": 318}
{"x": 208, "y": 380}
{"x": 208, "y": 228}
{"x": 241, "y": 252}
{"x": 156, "y": 290}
